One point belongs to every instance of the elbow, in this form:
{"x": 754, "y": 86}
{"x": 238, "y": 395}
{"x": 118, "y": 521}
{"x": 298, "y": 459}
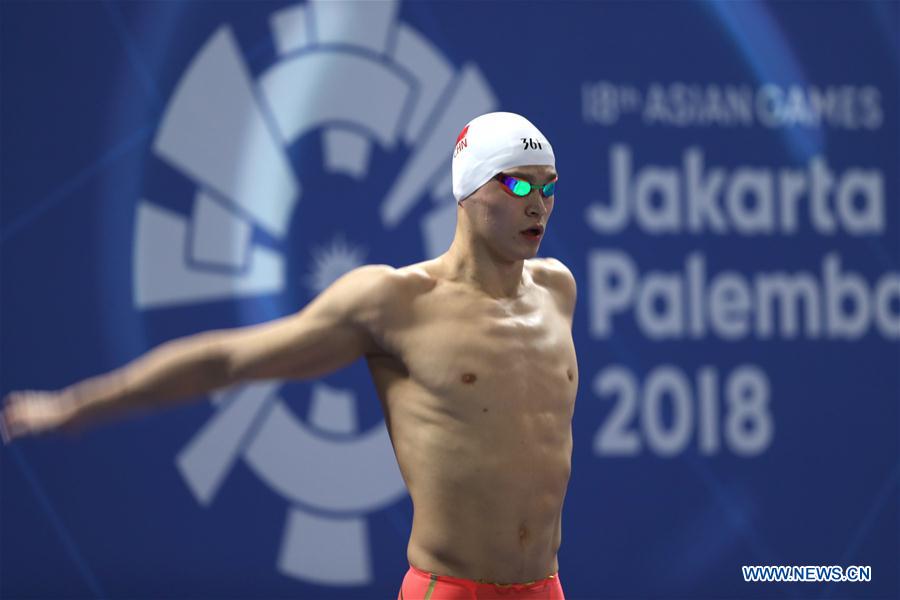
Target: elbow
{"x": 217, "y": 362}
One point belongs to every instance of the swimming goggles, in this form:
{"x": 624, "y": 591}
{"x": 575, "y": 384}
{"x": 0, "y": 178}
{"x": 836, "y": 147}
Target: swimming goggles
{"x": 521, "y": 188}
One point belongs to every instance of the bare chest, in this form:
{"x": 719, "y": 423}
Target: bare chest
{"x": 524, "y": 361}
{"x": 477, "y": 358}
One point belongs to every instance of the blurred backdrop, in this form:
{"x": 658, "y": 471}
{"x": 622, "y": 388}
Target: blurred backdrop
{"x": 728, "y": 203}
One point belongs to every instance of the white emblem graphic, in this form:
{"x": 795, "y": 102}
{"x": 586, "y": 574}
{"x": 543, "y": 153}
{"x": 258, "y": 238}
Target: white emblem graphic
{"x": 349, "y": 71}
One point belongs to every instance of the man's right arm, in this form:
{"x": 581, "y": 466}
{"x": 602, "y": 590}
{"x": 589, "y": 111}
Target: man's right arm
{"x": 332, "y": 331}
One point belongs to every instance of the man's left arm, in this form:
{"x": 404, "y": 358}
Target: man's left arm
{"x": 562, "y": 282}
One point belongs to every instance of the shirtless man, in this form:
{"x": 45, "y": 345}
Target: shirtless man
{"x": 472, "y": 357}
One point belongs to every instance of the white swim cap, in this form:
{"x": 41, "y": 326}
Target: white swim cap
{"x": 492, "y": 143}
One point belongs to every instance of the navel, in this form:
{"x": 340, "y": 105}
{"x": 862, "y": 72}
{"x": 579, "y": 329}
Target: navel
{"x": 523, "y": 533}
{"x": 570, "y": 374}
{"x": 468, "y": 378}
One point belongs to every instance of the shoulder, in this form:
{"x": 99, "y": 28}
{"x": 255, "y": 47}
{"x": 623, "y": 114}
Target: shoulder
{"x": 380, "y": 290}
{"x": 552, "y": 271}
{"x": 360, "y": 291}
{"x": 366, "y": 280}
{"x": 552, "y": 274}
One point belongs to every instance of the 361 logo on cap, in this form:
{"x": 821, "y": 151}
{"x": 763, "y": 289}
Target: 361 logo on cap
{"x": 461, "y": 141}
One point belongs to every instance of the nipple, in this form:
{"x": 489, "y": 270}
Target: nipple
{"x": 469, "y": 378}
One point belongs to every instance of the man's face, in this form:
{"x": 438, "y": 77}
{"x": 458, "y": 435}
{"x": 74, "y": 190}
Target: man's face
{"x": 499, "y": 217}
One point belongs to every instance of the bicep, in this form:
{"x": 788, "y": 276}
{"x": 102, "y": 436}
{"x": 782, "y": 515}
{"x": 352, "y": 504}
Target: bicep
{"x": 328, "y": 334}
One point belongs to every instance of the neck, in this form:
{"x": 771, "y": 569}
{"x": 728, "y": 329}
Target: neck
{"x": 474, "y": 264}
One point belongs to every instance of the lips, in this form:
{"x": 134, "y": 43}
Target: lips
{"x": 533, "y": 234}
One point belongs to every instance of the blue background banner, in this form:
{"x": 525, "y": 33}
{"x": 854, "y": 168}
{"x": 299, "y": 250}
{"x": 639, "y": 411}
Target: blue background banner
{"x": 728, "y": 203}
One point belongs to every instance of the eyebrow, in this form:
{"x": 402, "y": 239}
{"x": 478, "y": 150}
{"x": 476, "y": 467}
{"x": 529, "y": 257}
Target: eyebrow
{"x": 521, "y": 175}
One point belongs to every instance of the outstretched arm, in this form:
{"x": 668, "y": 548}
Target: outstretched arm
{"x": 331, "y": 332}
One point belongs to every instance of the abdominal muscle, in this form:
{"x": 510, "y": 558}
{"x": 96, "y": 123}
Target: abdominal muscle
{"x": 487, "y": 495}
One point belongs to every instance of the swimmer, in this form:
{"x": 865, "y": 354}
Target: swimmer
{"x": 472, "y": 357}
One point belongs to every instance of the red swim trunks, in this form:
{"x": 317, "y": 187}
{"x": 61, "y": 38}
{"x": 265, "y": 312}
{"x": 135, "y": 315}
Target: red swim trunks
{"x": 419, "y": 585}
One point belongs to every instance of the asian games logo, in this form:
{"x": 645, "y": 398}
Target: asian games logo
{"x": 269, "y": 221}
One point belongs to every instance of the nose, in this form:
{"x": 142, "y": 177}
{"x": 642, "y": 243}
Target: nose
{"x": 537, "y": 204}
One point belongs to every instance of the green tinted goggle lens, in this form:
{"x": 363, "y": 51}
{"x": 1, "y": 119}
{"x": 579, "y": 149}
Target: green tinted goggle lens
{"x": 522, "y": 188}
{"x": 548, "y": 189}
